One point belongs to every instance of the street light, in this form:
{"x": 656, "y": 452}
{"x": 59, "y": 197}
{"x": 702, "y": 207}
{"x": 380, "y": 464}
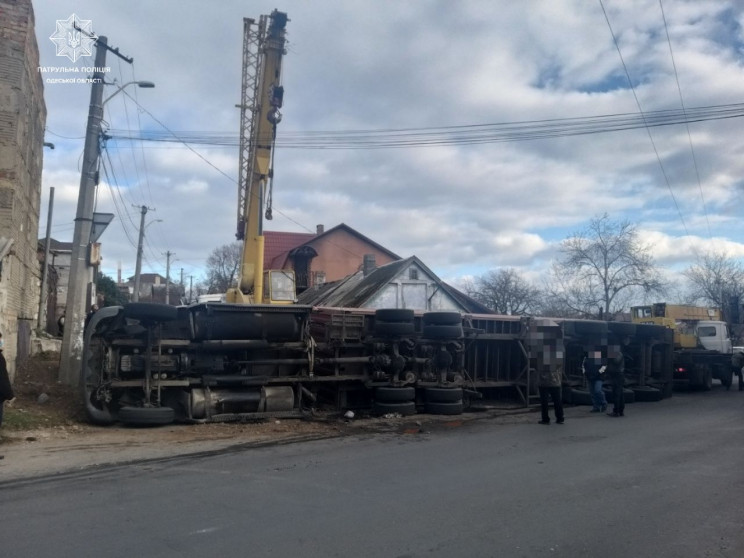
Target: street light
{"x": 144, "y": 84}
{"x": 80, "y": 280}
{"x": 138, "y": 266}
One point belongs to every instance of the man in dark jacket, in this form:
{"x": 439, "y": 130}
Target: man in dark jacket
{"x": 616, "y": 376}
{"x": 6, "y": 390}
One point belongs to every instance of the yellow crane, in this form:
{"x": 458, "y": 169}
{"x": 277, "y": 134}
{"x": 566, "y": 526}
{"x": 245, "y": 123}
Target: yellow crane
{"x": 261, "y": 98}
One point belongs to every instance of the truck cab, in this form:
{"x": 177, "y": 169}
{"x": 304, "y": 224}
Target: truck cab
{"x": 713, "y": 336}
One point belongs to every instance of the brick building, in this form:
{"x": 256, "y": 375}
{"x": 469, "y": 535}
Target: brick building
{"x": 22, "y": 120}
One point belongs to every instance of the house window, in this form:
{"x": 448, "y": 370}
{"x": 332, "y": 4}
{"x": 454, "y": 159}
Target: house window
{"x": 413, "y": 273}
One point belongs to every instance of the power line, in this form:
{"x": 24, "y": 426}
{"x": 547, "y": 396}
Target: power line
{"x": 646, "y": 125}
{"x": 498, "y": 132}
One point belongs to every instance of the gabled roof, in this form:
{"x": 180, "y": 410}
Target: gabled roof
{"x": 355, "y": 290}
{"x": 278, "y": 245}
{"x": 55, "y": 245}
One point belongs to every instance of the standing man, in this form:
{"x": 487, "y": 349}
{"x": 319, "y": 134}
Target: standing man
{"x": 549, "y": 385}
{"x": 593, "y": 370}
{"x": 616, "y": 376}
{"x": 6, "y": 390}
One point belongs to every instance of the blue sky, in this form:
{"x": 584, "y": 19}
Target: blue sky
{"x": 357, "y": 65}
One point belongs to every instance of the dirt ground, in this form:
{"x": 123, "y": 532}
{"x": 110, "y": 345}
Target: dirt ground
{"x": 44, "y": 431}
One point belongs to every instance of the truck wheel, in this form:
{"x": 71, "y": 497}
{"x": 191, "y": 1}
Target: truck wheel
{"x": 146, "y": 416}
{"x": 646, "y": 393}
{"x": 393, "y": 329}
{"x": 442, "y": 318}
{"x": 404, "y": 408}
{"x": 395, "y": 394}
{"x": 442, "y": 332}
{"x": 707, "y": 380}
{"x": 450, "y": 408}
{"x": 151, "y": 312}
{"x": 443, "y": 395}
{"x": 394, "y": 315}
{"x": 727, "y": 378}
{"x": 581, "y": 397}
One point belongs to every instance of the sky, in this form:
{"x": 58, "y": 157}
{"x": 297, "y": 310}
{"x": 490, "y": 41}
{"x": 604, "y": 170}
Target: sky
{"x": 464, "y": 209}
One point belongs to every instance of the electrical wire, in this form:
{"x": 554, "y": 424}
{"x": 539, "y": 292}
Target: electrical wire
{"x": 499, "y": 132}
{"x": 644, "y": 117}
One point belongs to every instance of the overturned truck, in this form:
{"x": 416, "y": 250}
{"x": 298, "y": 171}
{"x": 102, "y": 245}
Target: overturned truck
{"x": 154, "y": 364}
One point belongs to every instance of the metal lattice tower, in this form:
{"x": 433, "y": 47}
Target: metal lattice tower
{"x": 253, "y": 38}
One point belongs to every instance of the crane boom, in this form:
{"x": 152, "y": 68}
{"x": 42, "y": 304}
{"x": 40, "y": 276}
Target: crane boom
{"x": 261, "y": 98}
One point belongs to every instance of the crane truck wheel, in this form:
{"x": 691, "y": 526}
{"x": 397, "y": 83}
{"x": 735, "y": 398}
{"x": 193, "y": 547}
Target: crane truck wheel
{"x": 150, "y": 312}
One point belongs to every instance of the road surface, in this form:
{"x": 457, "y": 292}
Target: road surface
{"x": 667, "y": 480}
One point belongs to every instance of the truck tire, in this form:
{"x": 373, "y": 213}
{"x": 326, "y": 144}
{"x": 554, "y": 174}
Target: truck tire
{"x": 449, "y": 408}
{"x": 442, "y": 318}
{"x": 393, "y": 329}
{"x": 646, "y": 393}
{"x": 442, "y": 395}
{"x": 581, "y": 397}
{"x": 394, "y": 315}
{"x": 150, "y": 312}
{"x": 395, "y": 394}
{"x": 146, "y": 416}
{"x": 707, "y": 384}
{"x": 726, "y": 378}
{"x": 403, "y": 408}
{"x": 442, "y": 332}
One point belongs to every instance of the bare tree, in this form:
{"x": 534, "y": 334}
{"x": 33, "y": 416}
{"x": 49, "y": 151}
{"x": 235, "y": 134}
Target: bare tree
{"x": 718, "y": 280}
{"x": 223, "y": 265}
{"x": 602, "y": 269}
{"x": 505, "y": 291}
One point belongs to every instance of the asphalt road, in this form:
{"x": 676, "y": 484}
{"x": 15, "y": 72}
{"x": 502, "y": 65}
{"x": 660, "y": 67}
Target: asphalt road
{"x": 667, "y": 480}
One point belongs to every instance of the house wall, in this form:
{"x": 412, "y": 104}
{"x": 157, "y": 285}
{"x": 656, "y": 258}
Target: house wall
{"x": 22, "y": 120}
{"x": 340, "y": 254}
{"x": 413, "y": 289}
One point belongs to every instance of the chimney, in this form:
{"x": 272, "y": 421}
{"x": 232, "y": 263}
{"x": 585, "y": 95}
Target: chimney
{"x": 319, "y": 229}
{"x": 369, "y": 265}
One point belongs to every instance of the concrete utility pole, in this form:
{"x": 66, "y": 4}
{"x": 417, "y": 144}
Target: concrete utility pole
{"x": 80, "y": 271}
{"x": 45, "y": 271}
{"x": 138, "y": 265}
{"x": 80, "y": 286}
{"x": 168, "y": 255}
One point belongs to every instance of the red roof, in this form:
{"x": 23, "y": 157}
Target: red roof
{"x": 278, "y": 244}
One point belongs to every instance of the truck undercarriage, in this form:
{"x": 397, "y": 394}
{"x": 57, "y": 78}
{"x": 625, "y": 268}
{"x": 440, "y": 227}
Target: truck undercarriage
{"x": 154, "y": 364}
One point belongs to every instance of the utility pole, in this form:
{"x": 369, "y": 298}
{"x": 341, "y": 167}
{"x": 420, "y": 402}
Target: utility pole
{"x": 45, "y": 271}
{"x": 168, "y": 255}
{"x": 80, "y": 286}
{"x": 191, "y": 289}
{"x": 138, "y": 266}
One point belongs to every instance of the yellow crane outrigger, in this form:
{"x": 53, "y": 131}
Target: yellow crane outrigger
{"x": 261, "y": 98}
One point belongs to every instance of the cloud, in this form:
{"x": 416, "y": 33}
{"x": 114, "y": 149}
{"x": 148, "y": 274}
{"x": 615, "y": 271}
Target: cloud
{"x": 388, "y": 65}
